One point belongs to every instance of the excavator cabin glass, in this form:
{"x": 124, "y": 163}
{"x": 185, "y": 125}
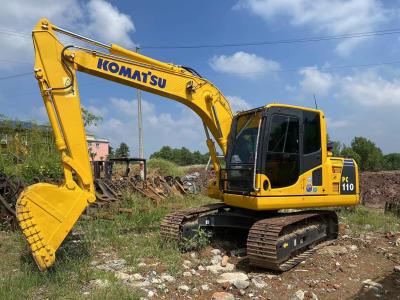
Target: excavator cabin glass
{"x": 279, "y": 142}
{"x": 242, "y": 157}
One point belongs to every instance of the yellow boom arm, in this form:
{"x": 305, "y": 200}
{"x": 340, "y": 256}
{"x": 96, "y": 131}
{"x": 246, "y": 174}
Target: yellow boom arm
{"x": 46, "y": 213}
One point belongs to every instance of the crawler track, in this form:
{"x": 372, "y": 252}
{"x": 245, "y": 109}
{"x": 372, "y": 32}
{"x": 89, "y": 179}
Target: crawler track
{"x": 277, "y": 242}
{"x": 299, "y": 232}
{"x": 171, "y": 226}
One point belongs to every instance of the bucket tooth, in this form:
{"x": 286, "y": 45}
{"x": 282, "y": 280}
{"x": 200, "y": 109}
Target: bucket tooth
{"x": 46, "y": 213}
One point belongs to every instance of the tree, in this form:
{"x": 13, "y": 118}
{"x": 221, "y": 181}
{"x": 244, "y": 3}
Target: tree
{"x": 197, "y": 157}
{"x": 336, "y": 146}
{"x": 348, "y": 152}
{"x": 181, "y": 156}
{"x": 371, "y": 157}
{"x": 122, "y": 150}
{"x": 165, "y": 152}
{"x": 90, "y": 119}
{"x": 391, "y": 161}
{"x": 185, "y": 156}
{"x": 111, "y": 153}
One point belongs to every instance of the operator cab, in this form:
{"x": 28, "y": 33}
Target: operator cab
{"x": 281, "y": 142}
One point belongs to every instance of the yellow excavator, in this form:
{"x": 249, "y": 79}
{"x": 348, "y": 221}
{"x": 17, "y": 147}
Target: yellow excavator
{"x": 277, "y": 157}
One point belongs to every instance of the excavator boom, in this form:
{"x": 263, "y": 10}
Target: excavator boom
{"x": 46, "y": 212}
{"x": 277, "y": 157}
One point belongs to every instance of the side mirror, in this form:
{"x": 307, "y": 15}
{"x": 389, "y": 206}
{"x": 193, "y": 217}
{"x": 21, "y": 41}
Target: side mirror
{"x": 329, "y": 146}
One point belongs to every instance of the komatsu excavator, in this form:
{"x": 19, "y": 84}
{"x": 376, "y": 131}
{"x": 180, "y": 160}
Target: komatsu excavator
{"x": 276, "y": 158}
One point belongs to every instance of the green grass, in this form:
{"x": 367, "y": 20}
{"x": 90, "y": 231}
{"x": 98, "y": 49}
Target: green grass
{"x": 361, "y": 217}
{"x": 163, "y": 166}
{"x": 68, "y": 279}
{"x": 136, "y": 236}
{"x": 133, "y": 237}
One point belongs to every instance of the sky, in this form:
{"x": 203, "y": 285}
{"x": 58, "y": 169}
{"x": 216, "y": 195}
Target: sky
{"x": 356, "y": 81}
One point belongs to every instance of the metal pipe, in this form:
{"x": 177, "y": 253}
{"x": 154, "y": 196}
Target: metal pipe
{"x": 255, "y": 157}
{"x": 80, "y": 37}
{"x": 53, "y": 118}
{"x": 216, "y": 120}
{"x": 140, "y": 127}
{"x": 206, "y": 131}
{"x": 131, "y": 61}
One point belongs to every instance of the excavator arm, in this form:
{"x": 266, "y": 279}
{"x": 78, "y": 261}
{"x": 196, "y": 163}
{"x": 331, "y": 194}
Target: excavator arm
{"x": 46, "y": 212}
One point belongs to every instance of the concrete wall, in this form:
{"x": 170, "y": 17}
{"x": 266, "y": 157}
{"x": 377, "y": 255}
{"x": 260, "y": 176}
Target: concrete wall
{"x": 98, "y": 150}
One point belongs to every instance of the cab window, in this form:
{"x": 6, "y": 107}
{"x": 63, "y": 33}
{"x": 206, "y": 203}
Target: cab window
{"x": 312, "y": 132}
{"x": 282, "y": 161}
{"x": 244, "y": 147}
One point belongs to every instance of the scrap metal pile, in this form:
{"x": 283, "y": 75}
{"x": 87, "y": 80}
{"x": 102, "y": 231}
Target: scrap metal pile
{"x": 110, "y": 187}
{"x": 156, "y": 188}
{"x": 10, "y": 187}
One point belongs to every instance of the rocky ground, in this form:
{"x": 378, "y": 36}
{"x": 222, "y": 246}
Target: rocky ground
{"x": 126, "y": 258}
{"x": 363, "y": 267}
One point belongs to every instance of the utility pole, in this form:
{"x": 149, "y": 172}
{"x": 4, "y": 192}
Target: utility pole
{"x": 140, "y": 127}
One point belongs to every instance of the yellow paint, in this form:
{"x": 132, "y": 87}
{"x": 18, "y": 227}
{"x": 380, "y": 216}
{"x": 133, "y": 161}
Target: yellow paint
{"x": 46, "y": 213}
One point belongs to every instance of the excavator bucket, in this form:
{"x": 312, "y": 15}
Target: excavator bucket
{"x": 46, "y": 213}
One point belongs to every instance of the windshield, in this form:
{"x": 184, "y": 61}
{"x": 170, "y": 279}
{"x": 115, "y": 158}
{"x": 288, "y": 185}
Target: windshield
{"x": 244, "y": 145}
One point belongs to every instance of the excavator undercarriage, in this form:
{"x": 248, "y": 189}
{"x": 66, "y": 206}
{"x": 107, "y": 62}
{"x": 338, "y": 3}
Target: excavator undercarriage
{"x": 276, "y": 156}
{"x": 275, "y": 241}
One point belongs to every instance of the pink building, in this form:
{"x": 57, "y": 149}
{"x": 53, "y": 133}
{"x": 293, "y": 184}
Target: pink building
{"x": 98, "y": 148}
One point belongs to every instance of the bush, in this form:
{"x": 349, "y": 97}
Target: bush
{"x": 391, "y": 161}
{"x": 371, "y": 156}
{"x": 182, "y": 157}
{"x": 41, "y": 170}
{"x": 164, "y": 167}
{"x": 200, "y": 240}
{"x": 368, "y": 156}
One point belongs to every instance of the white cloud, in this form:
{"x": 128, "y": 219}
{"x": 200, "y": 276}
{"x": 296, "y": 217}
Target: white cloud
{"x": 124, "y": 106}
{"x": 366, "y": 88}
{"x": 182, "y": 128}
{"x": 315, "y": 82}
{"x": 38, "y": 114}
{"x": 370, "y": 89}
{"x": 107, "y": 23}
{"x": 97, "y": 19}
{"x": 238, "y": 104}
{"x": 130, "y": 107}
{"x": 243, "y": 64}
{"x": 336, "y": 124}
{"x": 98, "y": 111}
{"x": 329, "y": 16}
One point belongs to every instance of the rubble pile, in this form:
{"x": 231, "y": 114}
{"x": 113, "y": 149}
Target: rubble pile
{"x": 110, "y": 191}
{"x": 380, "y": 188}
{"x": 156, "y": 188}
{"x": 199, "y": 176}
{"x": 340, "y": 269}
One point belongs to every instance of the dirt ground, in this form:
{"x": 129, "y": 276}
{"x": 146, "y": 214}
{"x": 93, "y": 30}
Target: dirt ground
{"x": 379, "y": 187}
{"x": 349, "y": 268}
{"x": 363, "y": 263}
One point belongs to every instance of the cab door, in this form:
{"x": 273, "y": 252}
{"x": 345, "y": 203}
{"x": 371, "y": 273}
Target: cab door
{"x": 290, "y": 146}
{"x": 311, "y": 146}
{"x": 281, "y": 161}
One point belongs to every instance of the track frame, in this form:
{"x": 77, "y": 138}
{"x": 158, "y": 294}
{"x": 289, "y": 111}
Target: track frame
{"x": 277, "y": 241}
